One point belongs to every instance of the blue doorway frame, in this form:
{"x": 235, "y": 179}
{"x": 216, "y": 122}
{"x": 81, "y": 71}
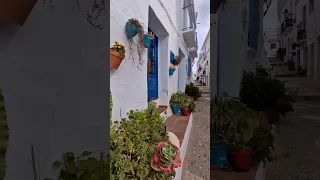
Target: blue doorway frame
{"x": 153, "y": 69}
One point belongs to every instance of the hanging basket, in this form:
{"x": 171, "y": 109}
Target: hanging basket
{"x": 147, "y": 40}
{"x": 171, "y": 71}
{"x": 131, "y": 30}
{"x": 15, "y": 11}
{"x": 115, "y": 59}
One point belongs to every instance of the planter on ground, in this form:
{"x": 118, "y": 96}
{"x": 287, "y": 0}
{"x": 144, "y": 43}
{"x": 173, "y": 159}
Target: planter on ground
{"x": 185, "y": 111}
{"x": 15, "y": 11}
{"x": 176, "y": 110}
{"x": 218, "y": 155}
{"x": 241, "y": 160}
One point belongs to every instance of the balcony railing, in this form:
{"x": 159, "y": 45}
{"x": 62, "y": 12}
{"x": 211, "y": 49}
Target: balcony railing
{"x": 301, "y": 31}
{"x": 286, "y": 24}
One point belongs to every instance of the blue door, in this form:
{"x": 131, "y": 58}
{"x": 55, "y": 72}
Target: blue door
{"x": 153, "y": 70}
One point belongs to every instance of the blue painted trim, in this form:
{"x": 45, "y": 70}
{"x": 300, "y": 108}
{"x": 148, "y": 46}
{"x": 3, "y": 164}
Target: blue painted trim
{"x": 152, "y": 95}
{"x": 189, "y": 66}
{"x": 187, "y": 6}
{"x": 171, "y": 57}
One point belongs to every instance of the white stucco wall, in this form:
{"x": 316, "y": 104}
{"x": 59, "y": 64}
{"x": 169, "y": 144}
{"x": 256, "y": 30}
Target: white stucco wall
{"x": 233, "y": 38}
{"x": 128, "y": 84}
{"x": 54, "y": 78}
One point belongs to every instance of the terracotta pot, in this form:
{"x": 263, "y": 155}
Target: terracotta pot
{"x": 115, "y": 59}
{"x": 15, "y": 11}
{"x": 242, "y": 159}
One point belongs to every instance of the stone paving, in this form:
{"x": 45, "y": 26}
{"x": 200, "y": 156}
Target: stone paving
{"x": 196, "y": 164}
{"x": 297, "y": 145}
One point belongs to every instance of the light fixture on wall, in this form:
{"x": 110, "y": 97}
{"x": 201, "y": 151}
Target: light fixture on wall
{"x": 286, "y": 14}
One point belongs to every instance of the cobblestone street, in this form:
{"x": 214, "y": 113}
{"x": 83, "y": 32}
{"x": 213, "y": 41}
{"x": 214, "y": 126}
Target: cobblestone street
{"x": 298, "y": 144}
{"x": 196, "y": 163}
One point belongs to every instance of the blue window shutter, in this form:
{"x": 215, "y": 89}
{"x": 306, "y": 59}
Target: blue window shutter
{"x": 171, "y": 57}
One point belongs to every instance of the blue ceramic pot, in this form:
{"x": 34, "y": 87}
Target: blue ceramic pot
{"x": 171, "y": 71}
{"x": 147, "y": 40}
{"x": 131, "y": 30}
{"x": 218, "y": 155}
{"x": 176, "y": 110}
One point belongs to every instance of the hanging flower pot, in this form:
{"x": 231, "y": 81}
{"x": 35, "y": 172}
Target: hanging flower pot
{"x": 15, "y": 11}
{"x": 117, "y": 54}
{"x": 166, "y": 158}
{"x": 131, "y": 28}
{"x": 176, "y": 61}
{"x": 171, "y": 70}
{"x": 147, "y": 38}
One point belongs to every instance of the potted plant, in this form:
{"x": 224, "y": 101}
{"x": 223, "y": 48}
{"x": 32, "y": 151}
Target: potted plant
{"x": 16, "y": 11}
{"x": 171, "y": 70}
{"x": 166, "y": 158}
{"x": 185, "y": 107}
{"x": 177, "y": 101}
{"x": 191, "y": 105}
{"x": 193, "y": 91}
{"x": 117, "y": 54}
{"x": 147, "y": 38}
{"x": 177, "y": 60}
{"x": 221, "y": 120}
{"x": 132, "y": 28}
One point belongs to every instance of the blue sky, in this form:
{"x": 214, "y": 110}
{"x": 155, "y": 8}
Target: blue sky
{"x": 203, "y": 9}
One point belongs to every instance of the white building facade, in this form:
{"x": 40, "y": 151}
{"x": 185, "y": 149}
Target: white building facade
{"x": 271, "y": 43}
{"x": 203, "y": 64}
{"x": 174, "y": 25}
{"x": 300, "y": 33}
{"x": 238, "y": 39}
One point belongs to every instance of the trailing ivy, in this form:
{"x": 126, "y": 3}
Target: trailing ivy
{"x": 4, "y": 137}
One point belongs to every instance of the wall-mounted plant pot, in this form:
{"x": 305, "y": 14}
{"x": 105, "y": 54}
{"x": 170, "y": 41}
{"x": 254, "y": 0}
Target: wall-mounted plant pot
{"x": 171, "y": 71}
{"x": 15, "y": 11}
{"x": 131, "y": 30}
{"x": 218, "y": 155}
{"x": 185, "y": 111}
{"x": 147, "y": 40}
{"x": 241, "y": 160}
{"x": 115, "y": 59}
{"x": 176, "y": 110}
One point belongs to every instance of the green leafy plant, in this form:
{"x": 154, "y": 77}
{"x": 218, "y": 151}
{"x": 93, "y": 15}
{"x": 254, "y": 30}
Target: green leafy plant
{"x": 178, "y": 99}
{"x": 262, "y": 143}
{"x": 191, "y": 104}
{"x": 120, "y": 48}
{"x": 82, "y": 167}
{"x": 193, "y": 91}
{"x": 263, "y": 92}
{"x": 177, "y": 60}
{"x": 4, "y": 137}
{"x": 134, "y": 144}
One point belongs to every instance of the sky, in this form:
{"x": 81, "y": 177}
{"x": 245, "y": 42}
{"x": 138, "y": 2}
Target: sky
{"x": 203, "y": 9}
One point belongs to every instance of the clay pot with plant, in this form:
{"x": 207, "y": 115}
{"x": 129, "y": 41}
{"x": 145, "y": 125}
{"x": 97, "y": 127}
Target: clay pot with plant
{"x": 185, "y": 107}
{"x": 171, "y": 70}
{"x": 147, "y": 38}
{"x": 177, "y": 60}
{"x": 134, "y": 27}
{"x": 117, "y": 54}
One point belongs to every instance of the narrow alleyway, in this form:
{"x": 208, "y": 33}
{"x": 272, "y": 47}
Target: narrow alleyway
{"x": 298, "y": 142}
{"x": 196, "y": 163}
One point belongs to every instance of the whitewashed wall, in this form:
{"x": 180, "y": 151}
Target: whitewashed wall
{"x": 54, "y": 78}
{"x": 128, "y": 84}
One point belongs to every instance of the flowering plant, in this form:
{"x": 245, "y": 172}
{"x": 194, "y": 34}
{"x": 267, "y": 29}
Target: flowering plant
{"x": 120, "y": 48}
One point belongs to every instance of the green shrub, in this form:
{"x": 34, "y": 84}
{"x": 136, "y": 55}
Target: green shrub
{"x": 193, "y": 91}
{"x": 178, "y": 99}
{"x": 134, "y": 144}
{"x": 262, "y": 92}
{"x": 191, "y": 104}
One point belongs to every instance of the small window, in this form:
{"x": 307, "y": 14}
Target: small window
{"x": 273, "y": 46}
{"x": 311, "y": 6}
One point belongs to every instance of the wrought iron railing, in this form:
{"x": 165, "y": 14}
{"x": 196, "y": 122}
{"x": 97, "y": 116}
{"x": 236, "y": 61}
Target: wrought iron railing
{"x": 287, "y": 23}
{"x": 301, "y": 31}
